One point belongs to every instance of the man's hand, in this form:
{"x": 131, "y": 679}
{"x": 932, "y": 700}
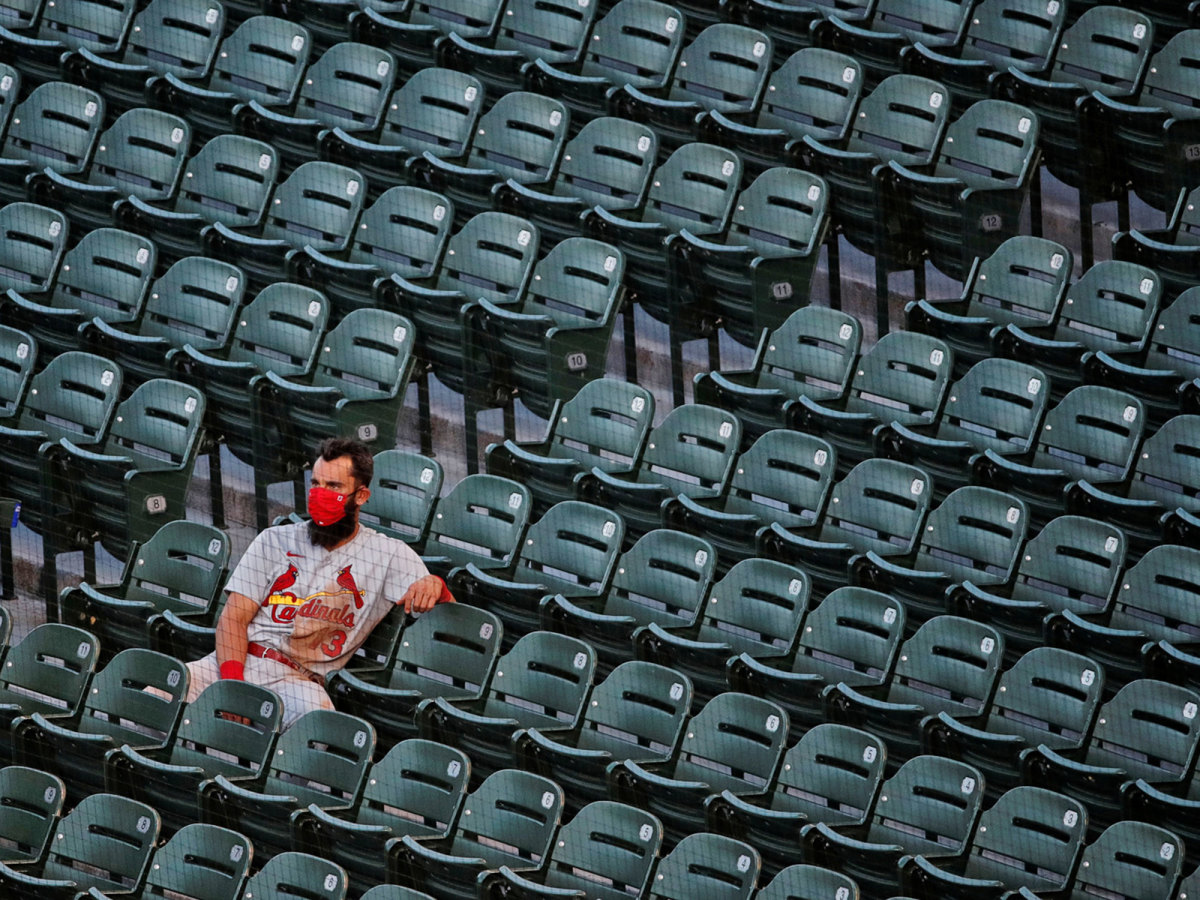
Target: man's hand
{"x": 424, "y": 594}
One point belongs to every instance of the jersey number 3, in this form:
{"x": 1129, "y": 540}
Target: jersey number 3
{"x": 336, "y": 641}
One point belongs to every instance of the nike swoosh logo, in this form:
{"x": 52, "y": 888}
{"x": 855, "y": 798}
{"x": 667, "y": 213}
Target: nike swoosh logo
{"x": 296, "y": 555}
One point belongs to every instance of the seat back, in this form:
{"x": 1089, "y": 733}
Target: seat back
{"x": 694, "y": 189}
{"x": 662, "y": 578}
{"x": 49, "y": 669}
{"x": 143, "y": 154}
{"x": 483, "y": 516}
{"x": 264, "y": 60}
{"x": 784, "y": 477}
{"x": 781, "y": 213}
{"x": 136, "y": 699}
{"x": 1023, "y": 282}
{"x": 880, "y": 505}
{"x": 57, "y": 126}
{"x": 452, "y": 649}
{"x": 104, "y": 842}
{"x": 230, "y": 729}
{"x": 521, "y": 137}
{"x": 159, "y": 427}
{"x": 607, "y": 850}
{"x": 18, "y": 351}
{"x": 1160, "y": 595}
{"x": 692, "y": 451}
{"x": 35, "y": 239}
{"x": 992, "y": 144}
{"x": 975, "y": 534}
{"x": 801, "y": 882}
{"x": 467, "y": 18}
{"x": 1175, "y": 341}
{"x": 1093, "y": 433}
{"x": 404, "y": 232}
{"x": 578, "y": 284}
{"x": 734, "y": 743}
{"x": 904, "y": 378}
{"x": 367, "y": 356}
{"x": 318, "y": 206}
{"x": 609, "y": 163}
{"x": 815, "y": 92}
{"x": 1106, "y": 50}
{"x": 196, "y": 302}
{"x": 75, "y": 396}
{"x": 403, "y": 494}
{"x": 706, "y": 865}
{"x": 638, "y": 711}
{"x": 435, "y": 111}
{"x": 1072, "y": 563}
{"x": 30, "y": 803}
{"x": 1130, "y": 859}
{"x": 420, "y": 785}
{"x": 510, "y": 819}
{"x": 812, "y": 353}
{"x": 1171, "y": 81}
{"x": 555, "y": 31}
{"x": 93, "y": 24}
{"x": 203, "y": 862}
{"x": 543, "y": 680}
{"x": 288, "y": 875}
{"x": 573, "y": 541}
{"x": 638, "y": 42}
{"x": 1049, "y": 696}
{"x": 1112, "y": 307}
{"x": 933, "y": 23}
{"x": 832, "y": 774}
{"x": 491, "y": 257}
{"x": 1149, "y": 730}
{"x": 281, "y": 329}
{"x": 949, "y": 665}
{"x": 1168, "y": 468}
{"x": 176, "y": 37}
{"x": 107, "y": 274}
{"x": 853, "y": 636}
{"x": 903, "y": 119}
{"x": 724, "y": 68}
{"x": 1021, "y": 33}
{"x": 998, "y": 405}
{"x": 756, "y": 608}
{"x": 229, "y": 180}
{"x": 322, "y": 758}
{"x": 605, "y": 424}
{"x": 182, "y": 567}
{"x": 348, "y": 86}
{"x": 929, "y": 806}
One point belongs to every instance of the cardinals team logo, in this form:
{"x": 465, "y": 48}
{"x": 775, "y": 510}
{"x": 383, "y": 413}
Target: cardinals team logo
{"x": 279, "y": 593}
{"x": 285, "y": 605}
{"x": 346, "y": 580}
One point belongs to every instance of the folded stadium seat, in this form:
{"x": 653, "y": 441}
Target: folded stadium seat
{"x": 102, "y": 27}
{"x": 724, "y": 68}
{"x": 930, "y": 807}
{"x": 637, "y": 42}
{"x": 1170, "y": 251}
{"x": 790, "y": 24}
{"x": 974, "y": 534}
{"x": 417, "y": 789}
{"x": 605, "y": 424}
{"x": 1166, "y": 807}
{"x": 142, "y": 155}
{"x": 751, "y": 278}
{"x": 448, "y": 652}
{"x": 229, "y": 180}
{"x": 972, "y": 198}
{"x": 816, "y": 92}
{"x": 1023, "y": 283}
{"x": 322, "y": 758}
{"x": 706, "y": 865}
{"x": 694, "y": 189}
{"x": 195, "y": 302}
{"x": 348, "y": 86}
{"x": 1147, "y": 731}
{"x": 328, "y": 21}
{"x": 201, "y": 861}
{"x": 1106, "y": 50}
{"x": 21, "y": 15}
{"x": 831, "y": 774}
{"x": 521, "y": 137}
{"x": 481, "y": 521}
{"x": 106, "y": 275}
{"x": 800, "y": 882}
{"x": 1111, "y": 308}
{"x": 949, "y": 665}
{"x": 556, "y": 32}
{"x": 606, "y": 851}
{"x": 1023, "y": 34}
{"x": 31, "y": 801}
{"x": 404, "y": 492}
{"x": 263, "y": 60}
{"x": 76, "y": 395}
{"x": 571, "y": 550}
{"x": 356, "y": 389}
{"x": 636, "y": 713}
{"x": 510, "y": 821}
{"x": 1156, "y": 604}
{"x": 607, "y": 164}
{"x": 543, "y": 682}
{"x": 812, "y": 353}
{"x": 434, "y": 111}
{"x": 691, "y": 452}
{"x": 229, "y": 730}
{"x": 56, "y": 126}
{"x": 182, "y": 567}
{"x": 1072, "y": 563}
{"x": 903, "y": 120}
{"x": 998, "y": 405}
{"x": 18, "y": 352}
{"x": 756, "y": 609}
{"x": 880, "y": 505}
{"x": 125, "y": 488}
{"x": 1049, "y": 697}
{"x": 179, "y": 37}
{"x": 281, "y": 330}
{"x": 550, "y": 343}
{"x": 404, "y": 233}
{"x": 298, "y": 874}
{"x": 105, "y": 843}
{"x": 413, "y": 30}
{"x": 663, "y": 578}
{"x": 785, "y": 477}
{"x": 904, "y": 379}
{"x": 735, "y": 743}
{"x": 1030, "y": 839}
{"x": 135, "y": 701}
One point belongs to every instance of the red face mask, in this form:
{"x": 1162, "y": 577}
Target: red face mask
{"x": 326, "y": 506}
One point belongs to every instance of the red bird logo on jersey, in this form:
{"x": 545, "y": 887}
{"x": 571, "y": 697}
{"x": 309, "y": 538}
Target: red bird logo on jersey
{"x": 279, "y": 592}
{"x": 346, "y": 580}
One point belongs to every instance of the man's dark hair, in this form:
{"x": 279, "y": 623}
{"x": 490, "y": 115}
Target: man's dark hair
{"x": 362, "y": 463}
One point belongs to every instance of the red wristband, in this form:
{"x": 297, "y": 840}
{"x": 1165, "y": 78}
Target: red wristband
{"x": 233, "y": 670}
{"x": 446, "y": 596}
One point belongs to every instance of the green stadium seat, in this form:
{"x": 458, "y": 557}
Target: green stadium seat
{"x": 406, "y": 488}
{"x": 292, "y": 874}
{"x": 706, "y": 865}
{"x": 56, "y": 126}
{"x": 203, "y": 862}
{"x": 481, "y": 521}
{"x": 31, "y": 800}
